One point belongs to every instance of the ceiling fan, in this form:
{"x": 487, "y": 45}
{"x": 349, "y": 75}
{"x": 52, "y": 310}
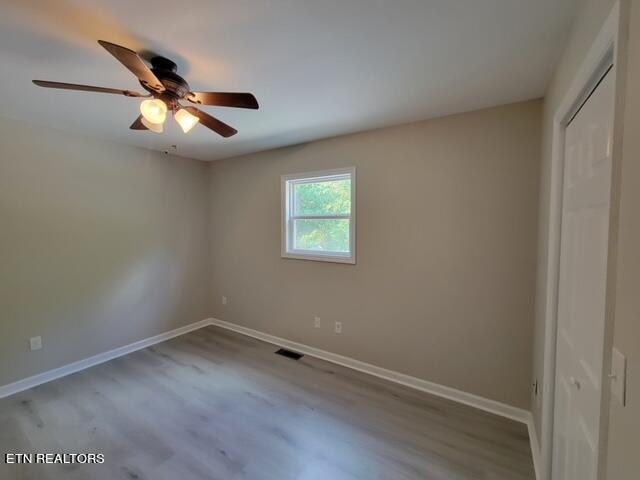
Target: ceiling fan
{"x": 166, "y": 90}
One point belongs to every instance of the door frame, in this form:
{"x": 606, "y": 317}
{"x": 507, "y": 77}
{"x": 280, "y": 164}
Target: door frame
{"x": 604, "y": 51}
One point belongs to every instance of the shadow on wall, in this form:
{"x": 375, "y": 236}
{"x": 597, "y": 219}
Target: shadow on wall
{"x": 92, "y": 275}
{"x": 101, "y": 245}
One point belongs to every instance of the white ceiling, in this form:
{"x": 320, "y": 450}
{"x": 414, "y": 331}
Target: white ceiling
{"x": 319, "y": 68}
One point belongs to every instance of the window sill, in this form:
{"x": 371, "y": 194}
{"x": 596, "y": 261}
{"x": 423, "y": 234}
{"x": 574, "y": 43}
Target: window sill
{"x": 320, "y": 258}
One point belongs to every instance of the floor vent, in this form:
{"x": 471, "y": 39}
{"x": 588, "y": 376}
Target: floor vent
{"x": 289, "y": 354}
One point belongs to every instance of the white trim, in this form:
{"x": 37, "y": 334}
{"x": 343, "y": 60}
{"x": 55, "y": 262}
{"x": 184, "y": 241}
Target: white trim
{"x": 605, "y": 45}
{"x": 443, "y": 391}
{"x": 319, "y": 257}
{"x": 535, "y": 447}
{"x": 30, "y": 382}
{"x": 286, "y": 250}
{"x": 481, "y": 403}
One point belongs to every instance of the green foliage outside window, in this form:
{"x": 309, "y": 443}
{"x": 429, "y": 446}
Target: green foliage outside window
{"x": 322, "y": 198}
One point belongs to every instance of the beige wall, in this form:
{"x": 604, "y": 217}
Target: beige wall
{"x": 444, "y": 284}
{"x": 103, "y": 244}
{"x": 100, "y": 245}
{"x": 584, "y": 32}
{"x": 623, "y": 461}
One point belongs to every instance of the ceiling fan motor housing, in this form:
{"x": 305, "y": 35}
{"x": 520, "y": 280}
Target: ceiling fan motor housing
{"x": 176, "y": 86}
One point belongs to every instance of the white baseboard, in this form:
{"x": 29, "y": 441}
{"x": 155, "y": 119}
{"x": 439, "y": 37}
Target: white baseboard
{"x": 459, "y": 396}
{"x": 535, "y": 447}
{"x": 30, "y": 382}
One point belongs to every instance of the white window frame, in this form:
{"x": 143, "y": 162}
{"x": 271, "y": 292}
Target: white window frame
{"x": 287, "y": 250}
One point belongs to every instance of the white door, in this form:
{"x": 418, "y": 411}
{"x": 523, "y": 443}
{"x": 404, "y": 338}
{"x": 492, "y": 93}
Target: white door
{"x": 582, "y": 283}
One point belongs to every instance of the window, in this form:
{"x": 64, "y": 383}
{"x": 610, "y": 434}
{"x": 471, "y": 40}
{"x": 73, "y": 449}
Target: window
{"x": 318, "y": 216}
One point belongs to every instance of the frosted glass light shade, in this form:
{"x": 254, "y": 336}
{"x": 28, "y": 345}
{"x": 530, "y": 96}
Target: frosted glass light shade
{"x": 154, "y": 110}
{"x": 154, "y": 127}
{"x": 185, "y": 120}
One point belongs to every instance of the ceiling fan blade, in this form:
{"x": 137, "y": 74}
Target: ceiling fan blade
{"x": 224, "y": 99}
{"x": 214, "y": 124}
{"x": 138, "y": 125}
{"x": 133, "y": 62}
{"x": 86, "y": 88}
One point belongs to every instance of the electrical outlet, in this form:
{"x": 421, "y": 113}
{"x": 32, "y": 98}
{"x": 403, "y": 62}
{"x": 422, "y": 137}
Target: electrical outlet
{"x": 316, "y": 322}
{"x": 35, "y": 343}
{"x": 338, "y": 327}
{"x": 224, "y": 300}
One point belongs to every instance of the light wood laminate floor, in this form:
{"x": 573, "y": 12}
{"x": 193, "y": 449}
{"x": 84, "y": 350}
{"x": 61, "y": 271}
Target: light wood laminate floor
{"x": 213, "y": 404}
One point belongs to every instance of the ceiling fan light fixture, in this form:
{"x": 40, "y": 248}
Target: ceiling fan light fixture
{"x": 154, "y": 111}
{"x": 165, "y": 91}
{"x": 186, "y": 120}
{"x": 154, "y": 127}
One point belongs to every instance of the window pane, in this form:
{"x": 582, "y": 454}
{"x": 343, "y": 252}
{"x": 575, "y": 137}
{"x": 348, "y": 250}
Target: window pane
{"x": 325, "y": 235}
{"x": 322, "y": 198}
